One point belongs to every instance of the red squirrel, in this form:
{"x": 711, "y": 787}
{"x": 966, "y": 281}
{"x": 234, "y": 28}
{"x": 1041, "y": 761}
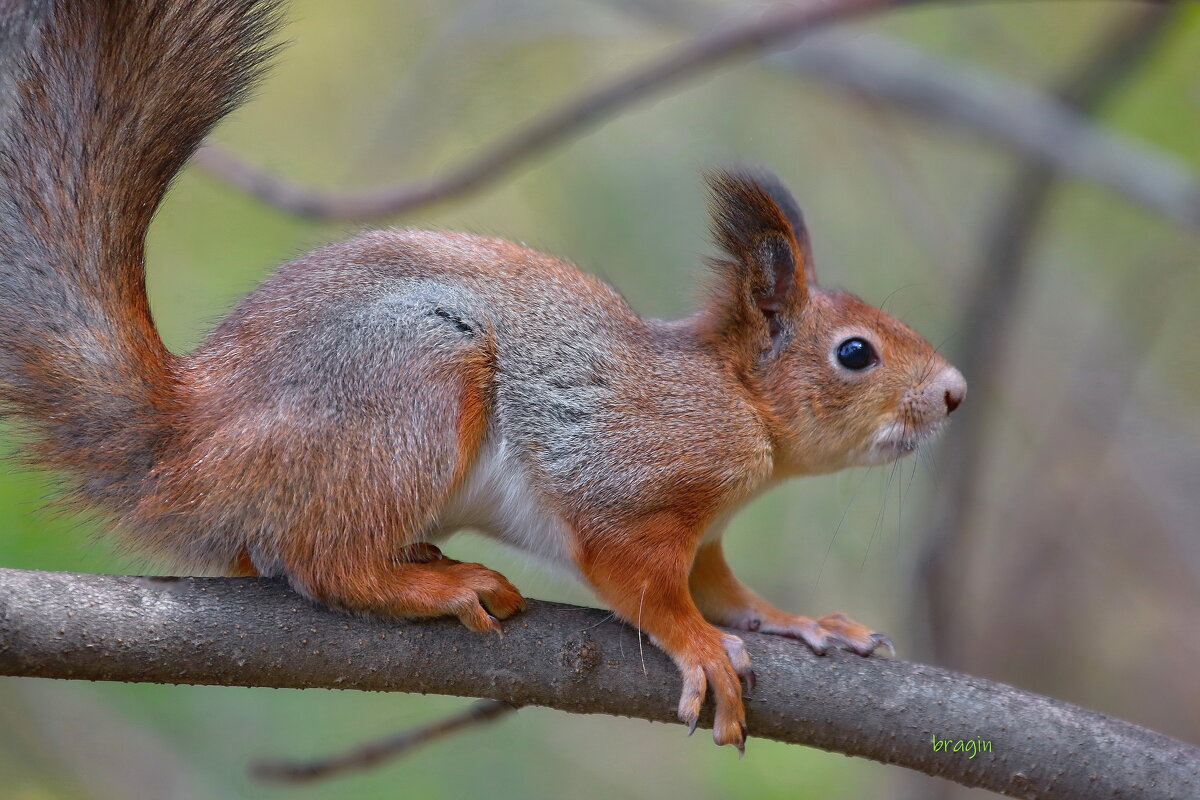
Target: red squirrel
{"x": 374, "y": 396}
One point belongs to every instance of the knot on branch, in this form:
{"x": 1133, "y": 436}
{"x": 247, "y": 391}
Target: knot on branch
{"x": 581, "y": 655}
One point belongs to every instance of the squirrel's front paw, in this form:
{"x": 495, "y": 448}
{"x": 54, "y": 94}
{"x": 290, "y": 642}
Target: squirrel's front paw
{"x": 831, "y": 630}
{"x": 722, "y": 671}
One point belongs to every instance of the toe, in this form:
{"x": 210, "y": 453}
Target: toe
{"x": 421, "y": 553}
{"x": 733, "y": 733}
{"x": 739, "y": 659}
{"x": 729, "y": 721}
{"x": 813, "y": 634}
{"x": 692, "y": 698}
{"x": 503, "y": 602}
{"x": 883, "y": 641}
{"x": 473, "y": 615}
{"x": 493, "y": 589}
{"x": 854, "y": 636}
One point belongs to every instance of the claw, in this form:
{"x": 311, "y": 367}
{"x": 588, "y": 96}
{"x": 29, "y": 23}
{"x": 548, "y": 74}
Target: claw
{"x": 495, "y": 625}
{"x": 883, "y": 640}
{"x": 692, "y": 725}
{"x": 750, "y": 680}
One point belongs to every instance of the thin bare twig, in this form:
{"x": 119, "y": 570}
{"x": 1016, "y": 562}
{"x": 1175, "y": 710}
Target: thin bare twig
{"x": 372, "y": 754}
{"x": 777, "y": 24}
{"x": 987, "y": 318}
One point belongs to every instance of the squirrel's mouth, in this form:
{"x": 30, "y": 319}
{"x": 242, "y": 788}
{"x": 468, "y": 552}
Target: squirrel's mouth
{"x": 896, "y": 439}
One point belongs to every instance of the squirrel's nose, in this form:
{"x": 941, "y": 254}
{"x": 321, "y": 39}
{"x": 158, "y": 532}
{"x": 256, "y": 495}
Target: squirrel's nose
{"x": 953, "y": 386}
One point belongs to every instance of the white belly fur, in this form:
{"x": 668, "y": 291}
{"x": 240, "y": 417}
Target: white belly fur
{"x": 496, "y": 499}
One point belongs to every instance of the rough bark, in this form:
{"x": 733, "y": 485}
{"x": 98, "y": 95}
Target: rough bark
{"x": 246, "y": 632}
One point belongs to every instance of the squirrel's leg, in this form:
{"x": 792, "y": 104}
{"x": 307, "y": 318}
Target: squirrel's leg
{"x": 724, "y": 600}
{"x": 423, "y": 583}
{"x": 642, "y": 573}
{"x": 354, "y": 538}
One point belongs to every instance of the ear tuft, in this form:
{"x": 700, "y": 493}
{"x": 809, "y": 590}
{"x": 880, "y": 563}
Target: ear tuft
{"x": 745, "y": 201}
{"x": 774, "y": 187}
{"x": 758, "y": 224}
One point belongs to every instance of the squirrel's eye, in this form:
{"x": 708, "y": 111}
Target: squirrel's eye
{"x": 856, "y": 354}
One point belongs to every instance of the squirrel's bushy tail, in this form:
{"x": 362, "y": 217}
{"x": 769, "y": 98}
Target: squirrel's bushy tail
{"x": 98, "y": 111}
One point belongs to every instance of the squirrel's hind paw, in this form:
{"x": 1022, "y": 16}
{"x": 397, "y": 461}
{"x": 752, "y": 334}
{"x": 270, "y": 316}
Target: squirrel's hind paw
{"x": 479, "y": 597}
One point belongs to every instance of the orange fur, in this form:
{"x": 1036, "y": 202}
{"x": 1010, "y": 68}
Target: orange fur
{"x": 641, "y": 572}
{"x": 243, "y": 567}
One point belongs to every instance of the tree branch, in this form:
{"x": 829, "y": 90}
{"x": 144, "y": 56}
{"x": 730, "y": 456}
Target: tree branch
{"x": 249, "y": 632}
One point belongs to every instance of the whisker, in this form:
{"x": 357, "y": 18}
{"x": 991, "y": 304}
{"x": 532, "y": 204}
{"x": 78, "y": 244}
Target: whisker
{"x": 883, "y": 305}
{"x": 611, "y": 615}
{"x": 927, "y": 369}
{"x": 899, "y": 506}
{"x": 938, "y": 348}
{"x": 829, "y": 545}
{"x": 641, "y": 652}
{"x": 931, "y": 464}
{"x": 879, "y": 519}
{"x": 912, "y": 477}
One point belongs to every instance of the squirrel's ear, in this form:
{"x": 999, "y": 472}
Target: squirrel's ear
{"x": 768, "y": 263}
{"x": 791, "y": 210}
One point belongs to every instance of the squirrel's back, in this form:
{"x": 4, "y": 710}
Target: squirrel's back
{"x": 591, "y": 399}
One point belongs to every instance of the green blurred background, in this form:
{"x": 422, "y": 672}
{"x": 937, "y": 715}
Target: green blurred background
{"x": 1081, "y": 576}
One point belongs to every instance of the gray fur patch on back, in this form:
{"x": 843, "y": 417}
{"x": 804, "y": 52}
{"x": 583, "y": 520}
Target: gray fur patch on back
{"x": 430, "y": 307}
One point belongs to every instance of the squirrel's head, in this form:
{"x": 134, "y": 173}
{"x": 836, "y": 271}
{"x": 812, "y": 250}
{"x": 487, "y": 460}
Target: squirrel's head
{"x": 840, "y": 382}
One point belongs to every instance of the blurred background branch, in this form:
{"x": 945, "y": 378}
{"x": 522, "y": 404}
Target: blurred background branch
{"x": 250, "y": 632}
{"x": 372, "y": 754}
{"x": 761, "y": 31}
{"x": 1049, "y": 131}
{"x": 989, "y": 314}
{"x": 988, "y": 317}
